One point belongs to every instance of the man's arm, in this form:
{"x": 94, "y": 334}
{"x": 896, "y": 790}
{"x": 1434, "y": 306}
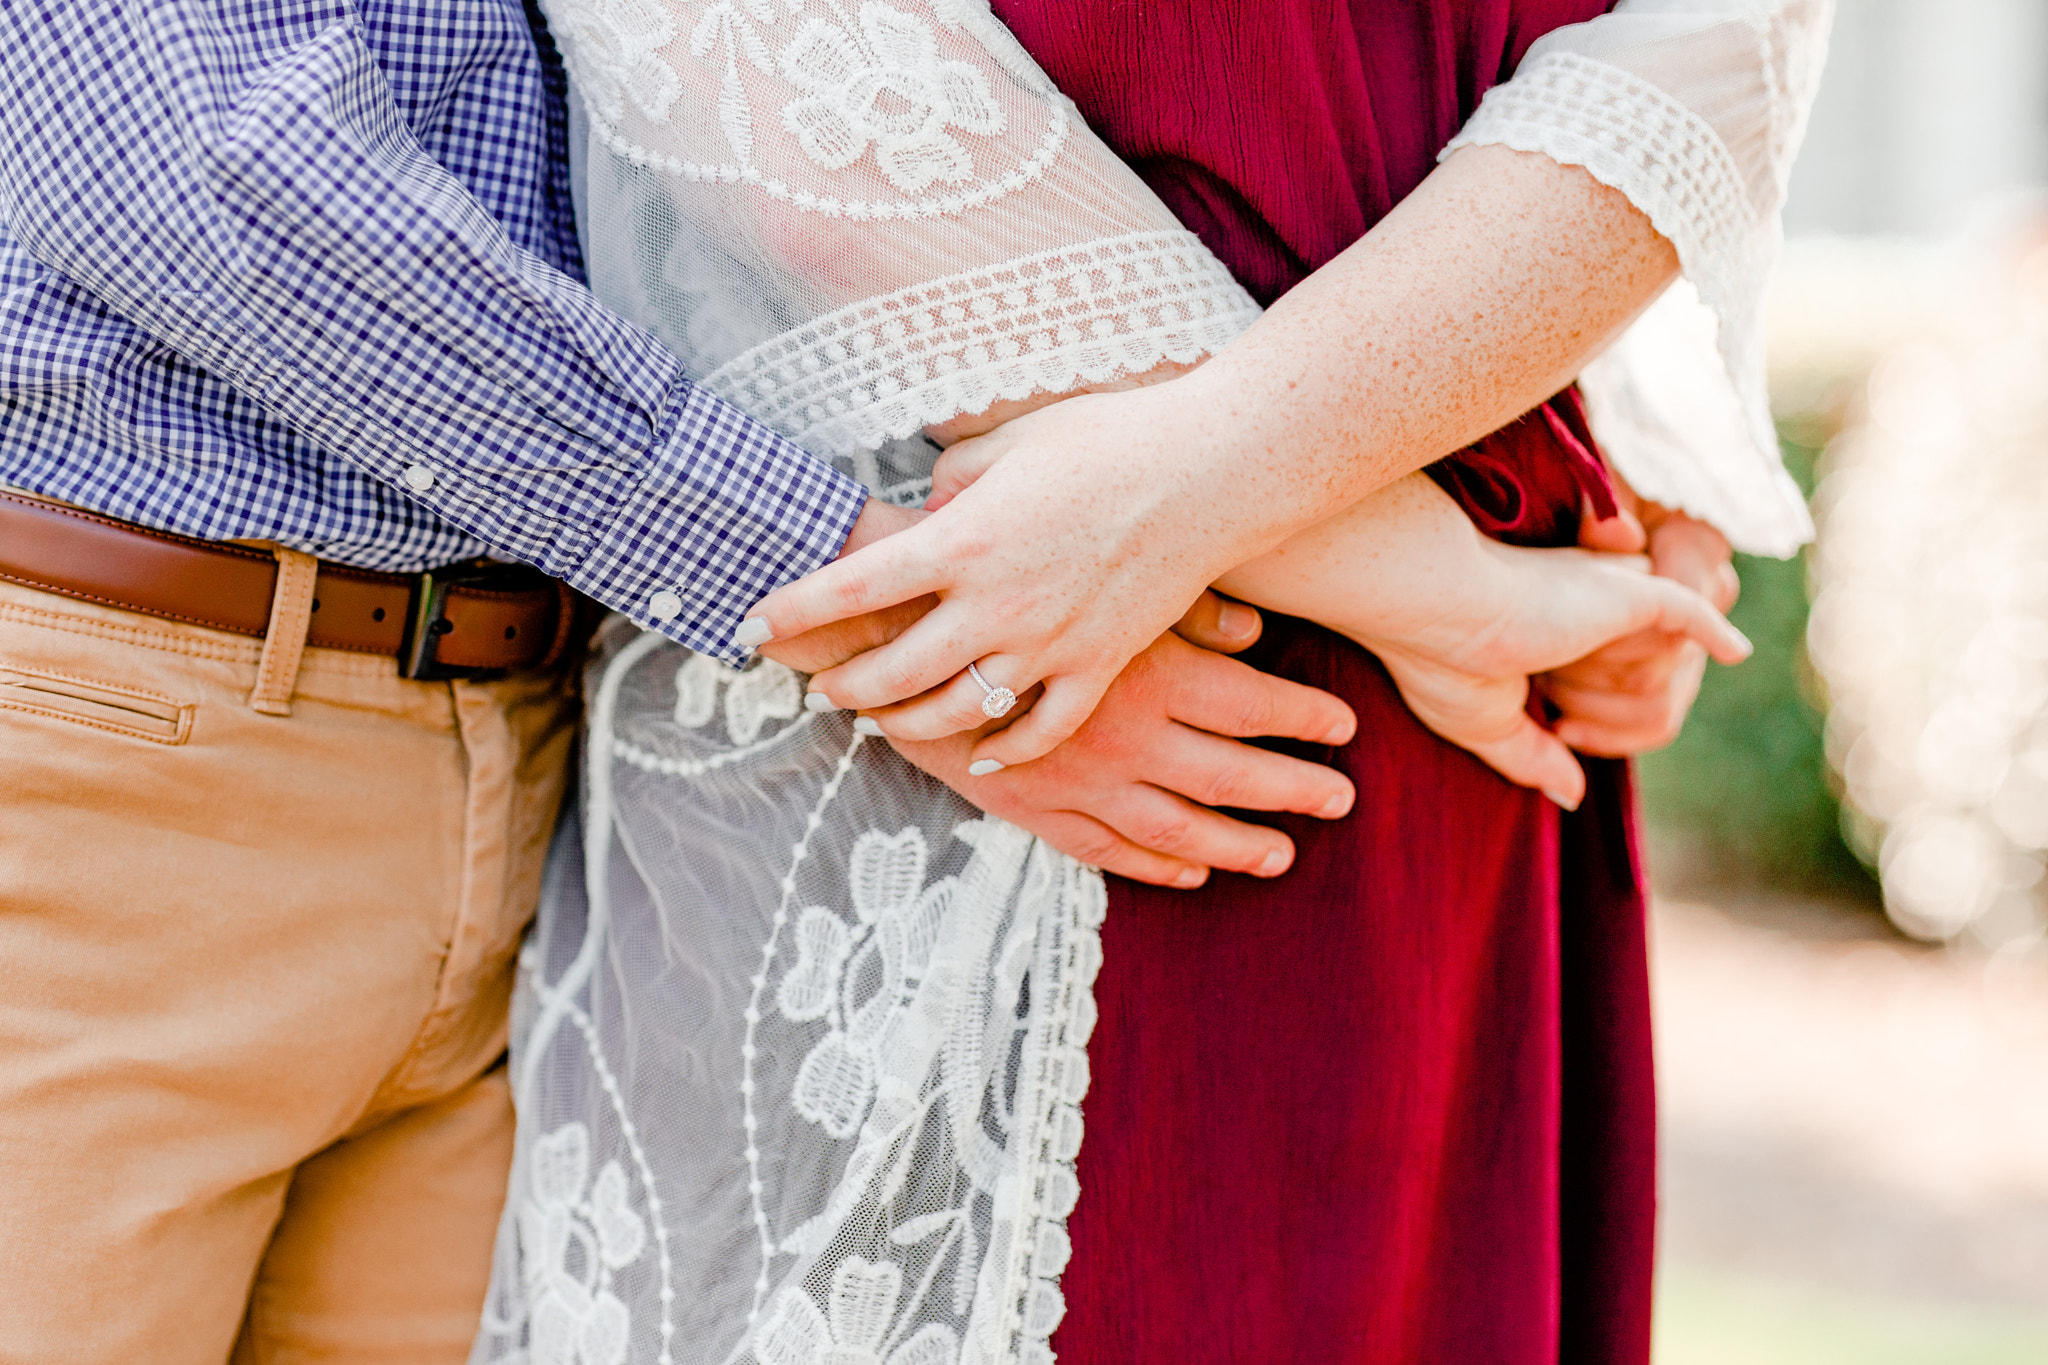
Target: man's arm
{"x": 235, "y": 179}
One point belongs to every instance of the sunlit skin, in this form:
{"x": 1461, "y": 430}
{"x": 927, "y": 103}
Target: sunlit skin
{"x": 1413, "y": 309}
{"x": 1459, "y": 620}
{"x": 1478, "y": 297}
{"x": 1131, "y": 791}
{"x": 1631, "y": 695}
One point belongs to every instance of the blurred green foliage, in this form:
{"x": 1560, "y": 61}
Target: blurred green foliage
{"x": 1745, "y": 798}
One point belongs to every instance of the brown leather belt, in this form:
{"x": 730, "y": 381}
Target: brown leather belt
{"x": 468, "y": 620}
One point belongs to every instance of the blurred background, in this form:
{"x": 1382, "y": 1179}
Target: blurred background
{"x": 1849, "y": 958}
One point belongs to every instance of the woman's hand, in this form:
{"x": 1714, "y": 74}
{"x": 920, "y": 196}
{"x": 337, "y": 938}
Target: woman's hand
{"x": 1134, "y": 791}
{"x": 1481, "y": 294}
{"x": 1557, "y": 604}
{"x": 1461, "y": 622}
{"x": 1057, "y": 566}
{"x": 1632, "y": 695}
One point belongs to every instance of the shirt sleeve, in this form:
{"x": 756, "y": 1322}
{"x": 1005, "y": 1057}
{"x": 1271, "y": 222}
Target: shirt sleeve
{"x": 235, "y": 179}
{"x": 1694, "y": 109}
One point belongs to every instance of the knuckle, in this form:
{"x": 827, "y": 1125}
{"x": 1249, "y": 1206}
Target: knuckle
{"x": 899, "y": 676}
{"x": 966, "y": 540}
{"x": 849, "y": 588}
{"x": 1164, "y": 830}
{"x": 1223, "y": 786}
{"x": 1096, "y": 846}
{"x": 1251, "y": 711}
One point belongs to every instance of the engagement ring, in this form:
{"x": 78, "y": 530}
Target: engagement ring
{"x": 999, "y": 700}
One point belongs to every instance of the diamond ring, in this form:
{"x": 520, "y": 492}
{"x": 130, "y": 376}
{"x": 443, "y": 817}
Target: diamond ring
{"x": 999, "y": 700}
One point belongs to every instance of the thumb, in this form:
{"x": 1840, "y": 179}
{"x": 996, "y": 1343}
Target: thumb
{"x": 1621, "y": 533}
{"x": 963, "y": 463}
{"x": 1681, "y": 611}
{"x": 1221, "y": 624}
{"x": 1530, "y": 756}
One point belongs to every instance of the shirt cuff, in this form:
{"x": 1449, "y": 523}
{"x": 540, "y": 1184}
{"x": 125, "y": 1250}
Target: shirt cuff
{"x": 727, "y": 512}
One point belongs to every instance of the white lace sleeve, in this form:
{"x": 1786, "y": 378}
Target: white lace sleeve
{"x": 854, "y": 218}
{"x": 1693, "y": 109}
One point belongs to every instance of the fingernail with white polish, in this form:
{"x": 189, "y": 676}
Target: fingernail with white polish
{"x": 982, "y": 767}
{"x": 753, "y": 631}
{"x": 818, "y": 701}
{"x": 1274, "y": 863}
{"x": 1568, "y": 805}
{"x": 1336, "y": 806}
{"x": 865, "y": 725}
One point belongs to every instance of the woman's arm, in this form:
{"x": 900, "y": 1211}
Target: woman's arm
{"x": 1478, "y": 297}
{"x": 1460, "y": 621}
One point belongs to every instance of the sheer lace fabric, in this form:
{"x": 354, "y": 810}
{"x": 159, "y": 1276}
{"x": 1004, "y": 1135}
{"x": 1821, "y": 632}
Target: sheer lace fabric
{"x": 800, "y": 1038}
{"x": 1694, "y": 110}
{"x": 801, "y": 1035}
{"x": 798, "y": 1048}
{"x": 855, "y": 218}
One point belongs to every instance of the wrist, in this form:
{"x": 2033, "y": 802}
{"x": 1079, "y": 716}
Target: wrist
{"x": 1212, "y": 475}
{"x": 878, "y": 520}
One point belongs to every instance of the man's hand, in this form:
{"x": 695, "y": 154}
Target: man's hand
{"x": 1633, "y": 695}
{"x": 1130, "y": 791}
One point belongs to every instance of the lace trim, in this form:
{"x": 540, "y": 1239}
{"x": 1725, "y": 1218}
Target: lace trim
{"x": 1632, "y": 136}
{"x": 886, "y": 367}
{"x": 1671, "y": 164}
{"x": 1049, "y": 1129}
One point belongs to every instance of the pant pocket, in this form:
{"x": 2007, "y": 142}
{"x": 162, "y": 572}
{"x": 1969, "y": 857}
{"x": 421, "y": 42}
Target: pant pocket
{"x": 125, "y": 711}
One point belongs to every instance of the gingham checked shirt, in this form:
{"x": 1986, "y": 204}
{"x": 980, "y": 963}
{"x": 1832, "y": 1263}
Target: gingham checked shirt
{"x": 306, "y": 271}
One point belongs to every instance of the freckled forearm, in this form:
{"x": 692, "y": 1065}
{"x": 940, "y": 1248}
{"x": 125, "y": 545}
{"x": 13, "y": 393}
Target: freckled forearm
{"x": 1478, "y": 297}
{"x": 1400, "y": 562}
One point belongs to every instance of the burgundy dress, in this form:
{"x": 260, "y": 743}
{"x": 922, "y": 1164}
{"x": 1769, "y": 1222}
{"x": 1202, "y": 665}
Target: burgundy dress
{"x": 1395, "y": 1106}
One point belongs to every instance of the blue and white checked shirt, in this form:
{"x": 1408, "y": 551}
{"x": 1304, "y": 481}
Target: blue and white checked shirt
{"x": 306, "y": 271}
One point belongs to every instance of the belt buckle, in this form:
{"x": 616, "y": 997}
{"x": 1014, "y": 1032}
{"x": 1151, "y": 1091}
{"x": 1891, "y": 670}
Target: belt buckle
{"x": 426, "y": 620}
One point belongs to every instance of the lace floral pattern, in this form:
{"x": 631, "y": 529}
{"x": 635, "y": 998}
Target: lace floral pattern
{"x": 881, "y": 83}
{"x": 577, "y": 1319}
{"x": 886, "y": 367}
{"x": 907, "y": 1073}
{"x": 870, "y": 84}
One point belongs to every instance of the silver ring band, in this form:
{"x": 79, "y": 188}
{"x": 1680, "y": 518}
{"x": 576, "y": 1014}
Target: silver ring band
{"x": 996, "y": 701}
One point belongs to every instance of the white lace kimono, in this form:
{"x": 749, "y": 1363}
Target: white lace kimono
{"x": 801, "y": 1036}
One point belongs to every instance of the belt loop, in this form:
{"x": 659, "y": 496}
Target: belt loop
{"x": 284, "y": 640}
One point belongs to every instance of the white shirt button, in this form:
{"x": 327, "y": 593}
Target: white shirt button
{"x": 664, "y": 606}
{"x": 419, "y": 478}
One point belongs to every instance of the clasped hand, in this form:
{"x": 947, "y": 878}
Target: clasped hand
{"x": 1042, "y": 586}
{"x": 1134, "y": 790}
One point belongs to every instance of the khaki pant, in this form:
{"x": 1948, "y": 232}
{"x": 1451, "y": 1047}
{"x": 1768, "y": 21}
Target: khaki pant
{"x": 253, "y": 984}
